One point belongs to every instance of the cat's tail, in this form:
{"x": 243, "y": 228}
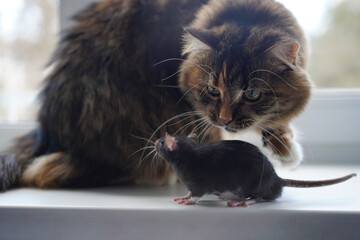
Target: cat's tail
{"x": 15, "y": 159}
{"x": 33, "y": 162}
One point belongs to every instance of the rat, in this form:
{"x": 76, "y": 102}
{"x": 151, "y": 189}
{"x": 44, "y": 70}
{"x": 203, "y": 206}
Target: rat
{"x": 234, "y": 170}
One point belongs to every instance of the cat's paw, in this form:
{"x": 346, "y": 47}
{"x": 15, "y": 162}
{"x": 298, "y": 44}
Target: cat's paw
{"x": 281, "y": 147}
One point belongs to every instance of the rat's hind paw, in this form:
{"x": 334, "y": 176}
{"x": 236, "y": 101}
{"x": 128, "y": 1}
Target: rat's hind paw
{"x": 245, "y": 203}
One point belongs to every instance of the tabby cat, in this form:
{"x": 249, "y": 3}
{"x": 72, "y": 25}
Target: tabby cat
{"x": 114, "y": 88}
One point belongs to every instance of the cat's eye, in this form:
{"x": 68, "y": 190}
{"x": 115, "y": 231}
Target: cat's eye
{"x": 213, "y": 91}
{"x": 252, "y": 95}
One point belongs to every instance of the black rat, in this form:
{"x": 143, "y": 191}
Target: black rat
{"x": 233, "y": 170}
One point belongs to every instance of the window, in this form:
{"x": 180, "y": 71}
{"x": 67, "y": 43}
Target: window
{"x": 28, "y": 34}
{"x": 333, "y": 27}
{"x": 29, "y": 31}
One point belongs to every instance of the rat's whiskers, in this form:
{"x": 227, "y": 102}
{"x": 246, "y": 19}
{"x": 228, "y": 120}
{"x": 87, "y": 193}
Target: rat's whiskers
{"x": 144, "y": 158}
{"x": 141, "y": 138}
{"x": 186, "y": 114}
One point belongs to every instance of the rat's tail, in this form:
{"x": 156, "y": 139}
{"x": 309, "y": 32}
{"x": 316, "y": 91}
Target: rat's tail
{"x": 308, "y": 184}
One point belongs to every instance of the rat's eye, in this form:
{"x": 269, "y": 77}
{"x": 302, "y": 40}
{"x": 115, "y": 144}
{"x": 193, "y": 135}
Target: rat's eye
{"x": 213, "y": 91}
{"x": 162, "y": 142}
{"x": 252, "y": 95}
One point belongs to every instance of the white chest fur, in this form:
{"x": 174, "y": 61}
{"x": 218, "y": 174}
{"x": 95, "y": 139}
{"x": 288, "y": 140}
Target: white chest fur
{"x": 254, "y": 136}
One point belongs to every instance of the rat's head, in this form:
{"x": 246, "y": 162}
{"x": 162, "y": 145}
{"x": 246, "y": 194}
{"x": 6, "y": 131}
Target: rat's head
{"x": 169, "y": 146}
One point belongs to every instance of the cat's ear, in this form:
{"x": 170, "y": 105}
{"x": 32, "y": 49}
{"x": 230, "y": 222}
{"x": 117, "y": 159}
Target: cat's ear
{"x": 201, "y": 39}
{"x": 170, "y": 142}
{"x": 286, "y": 51}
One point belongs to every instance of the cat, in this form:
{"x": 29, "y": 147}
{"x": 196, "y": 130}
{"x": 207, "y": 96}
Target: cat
{"x": 113, "y": 89}
{"x": 256, "y": 55}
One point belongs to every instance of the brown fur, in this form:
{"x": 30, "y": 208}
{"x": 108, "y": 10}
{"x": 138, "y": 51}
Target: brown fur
{"x": 49, "y": 171}
{"x": 279, "y": 142}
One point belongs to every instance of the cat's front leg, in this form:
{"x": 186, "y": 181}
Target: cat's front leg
{"x": 281, "y": 146}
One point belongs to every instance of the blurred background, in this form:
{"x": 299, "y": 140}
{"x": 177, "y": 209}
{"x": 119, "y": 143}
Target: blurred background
{"x": 29, "y": 31}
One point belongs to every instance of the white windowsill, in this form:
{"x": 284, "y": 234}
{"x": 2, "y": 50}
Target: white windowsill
{"x": 149, "y": 213}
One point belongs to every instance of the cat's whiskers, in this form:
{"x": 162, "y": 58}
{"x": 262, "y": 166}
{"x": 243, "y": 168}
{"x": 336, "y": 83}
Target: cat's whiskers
{"x": 200, "y": 66}
{"x": 209, "y": 129}
{"x": 182, "y": 120}
{"x": 185, "y": 94}
{"x": 200, "y": 125}
{"x": 201, "y": 93}
{"x": 166, "y": 86}
{"x": 182, "y": 97}
{"x": 189, "y": 124}
{"x": 156, "y": 160}
{"x": 271, "y": 124}
{"x": 145, "y": 131}
{"x": 142, "y": 159}
{"x": 179, "y": 71}
{"x": 205, "y": 125}
{"x": 276, "y": 75}
{"x": 190, "y": 113}
{"x": 141, "y": 149}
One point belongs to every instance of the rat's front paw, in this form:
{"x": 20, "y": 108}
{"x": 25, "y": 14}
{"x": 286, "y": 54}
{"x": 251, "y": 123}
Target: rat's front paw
{"x": 281, "y": 146}
{"x": 191, "y": 201}
{"x": 187, "y": 197}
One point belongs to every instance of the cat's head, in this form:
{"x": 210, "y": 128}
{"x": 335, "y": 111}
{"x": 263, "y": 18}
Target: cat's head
{"x": 238, "y": 78}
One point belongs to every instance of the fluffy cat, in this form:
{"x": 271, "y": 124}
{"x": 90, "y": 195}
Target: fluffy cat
{"x": 241, "y": 66}
{"x": 255, "y": 56}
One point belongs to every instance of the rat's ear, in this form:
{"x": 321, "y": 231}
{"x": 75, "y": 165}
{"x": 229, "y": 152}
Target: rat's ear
{"x": 170, "y": 142}
{"x": 194, "y": 137}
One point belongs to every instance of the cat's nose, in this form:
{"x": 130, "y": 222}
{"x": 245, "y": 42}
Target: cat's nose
{"x": 225, "y": 115}
{"x": 225, "y": 120}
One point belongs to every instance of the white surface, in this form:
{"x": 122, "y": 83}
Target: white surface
{"x": 340, "y": 197}
{"x": 149, "y": 213}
